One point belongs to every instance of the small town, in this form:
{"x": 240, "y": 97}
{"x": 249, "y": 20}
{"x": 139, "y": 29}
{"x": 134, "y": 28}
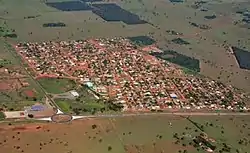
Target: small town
{"x": 126, "y": 74}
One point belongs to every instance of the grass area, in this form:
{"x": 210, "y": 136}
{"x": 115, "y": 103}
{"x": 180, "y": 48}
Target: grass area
{"x": 15, "y": 97}
{"x": 147, "y": 134}
{"x": 189, "y": 72}
{"x": 81, "y": 107}
{"x": 142, "y": 40}
{"x": 182, "y": 60}
{"x": 64, "y": 106}
{"x": 16, "y": 106}
{"x": 4, "y": 62}
{"x": 56, "y": 86}
{"x": 86, "y": 103}
{"x": 5, "y": 31}
{"x": 2, "y": 116}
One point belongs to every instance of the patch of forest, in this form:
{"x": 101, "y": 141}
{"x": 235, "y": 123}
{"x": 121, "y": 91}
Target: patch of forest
{"x": 179, "y": 59}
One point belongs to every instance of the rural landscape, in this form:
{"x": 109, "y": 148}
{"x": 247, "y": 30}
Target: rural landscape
{"x": 123, "y": 76}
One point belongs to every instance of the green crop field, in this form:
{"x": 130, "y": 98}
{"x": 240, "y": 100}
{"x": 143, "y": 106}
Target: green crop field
{"x": 56, "y": 86}
{"x": 64, "y": 106}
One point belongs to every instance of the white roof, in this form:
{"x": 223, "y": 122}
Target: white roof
{"x": 173, "y": 95}
{"x": 74, "y": 93}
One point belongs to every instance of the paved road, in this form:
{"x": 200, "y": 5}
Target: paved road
{"x": 146, "y": 114}
{"x": 168, "y": 113}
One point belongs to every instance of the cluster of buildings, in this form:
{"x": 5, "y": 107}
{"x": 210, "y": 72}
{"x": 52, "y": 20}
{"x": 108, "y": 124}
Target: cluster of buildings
{"x": 128, "y": 75}
{"x": 35, "y": 111}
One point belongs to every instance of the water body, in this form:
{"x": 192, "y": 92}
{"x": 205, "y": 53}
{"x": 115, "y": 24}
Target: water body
{"x": 242, "y": 57}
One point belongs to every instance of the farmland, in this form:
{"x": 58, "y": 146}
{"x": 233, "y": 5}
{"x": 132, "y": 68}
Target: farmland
{"x": 129, "y": 134}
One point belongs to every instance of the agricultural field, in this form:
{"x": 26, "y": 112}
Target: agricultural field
{"x": 129, "y": 134}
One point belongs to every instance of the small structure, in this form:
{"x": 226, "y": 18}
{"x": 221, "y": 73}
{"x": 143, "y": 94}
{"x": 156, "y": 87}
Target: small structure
{"x": 74, "y": 93}
{"x": 89, "y": 84}
{"x": 14, "y": 114}
{"x": 38, "y": 108}
{"x": 173, "y": 95}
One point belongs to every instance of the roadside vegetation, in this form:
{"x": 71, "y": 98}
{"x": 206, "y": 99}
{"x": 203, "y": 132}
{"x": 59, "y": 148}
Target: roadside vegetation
{"x": 57, "y": 86}
{"x": 2, "y": 116}
{"x": 86, "y": 103}
{"x": 16, "y": 106}
{"x": 142, "y": 40}
{"x": 80, "y": 107}
{"x": 17, "y": 89}
{"x": 5, "y": 31}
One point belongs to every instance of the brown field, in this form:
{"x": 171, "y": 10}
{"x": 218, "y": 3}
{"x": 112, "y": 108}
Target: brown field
{"x": 122, "y": 135}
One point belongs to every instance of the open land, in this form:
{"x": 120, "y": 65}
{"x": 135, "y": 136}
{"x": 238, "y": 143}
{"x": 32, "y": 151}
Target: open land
{"x": 17, "y": 88}
{"x": 130, "y": 134}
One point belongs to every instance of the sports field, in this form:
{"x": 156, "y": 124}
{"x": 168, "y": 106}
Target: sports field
{"x": 129, "y": 134}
